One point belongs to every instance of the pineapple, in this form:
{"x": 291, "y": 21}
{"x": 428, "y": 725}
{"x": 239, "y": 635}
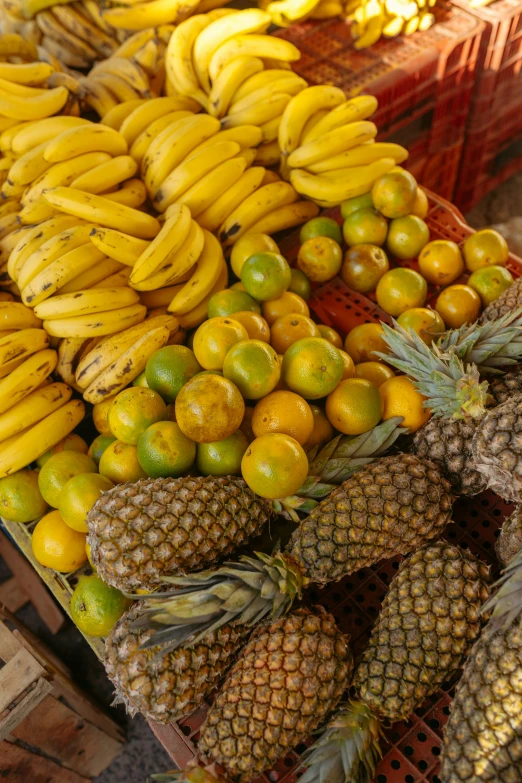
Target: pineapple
{"x": 503, "y": 388}
{"x": 506, "y": 302}
{"x": 141, "y": 532}
{"x": 426, "y": 627}
{"x": 509, "y": 541}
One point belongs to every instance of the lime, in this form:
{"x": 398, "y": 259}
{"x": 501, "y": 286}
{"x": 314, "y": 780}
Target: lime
{"x": 353, "y": 204}
{"x": 119, "y": 462}
{"x": 365, "y": 227}
{"x": 71, "y": 442}
{"x": 320, "y": 259}
{"x": 300, "y": 284}
{"x": 407, "y": 236}
{"x": 489, "y": 282}
{"x": 78, "y": 496}
{"x": 363, "y": 267}
{"x": 321, "y": 227}
{"x": 169, "y": 369}
{"x": 96, "y": 607}
{"x": 266, "y": 276}
{"x": 163, "y": 450}
{"x": 20, "y": 497}
{"x": 140, "y": 380}
{"x": 253, "y": 366}
{"x": 99, "y": 445}
{"x": 394, "y": 193}
{"x": 230, "y": 301}
{"x": 485, "y": 248}
{"x": 246, "y": 246}
{"x": 223, "y": 457}
{"x": 58, "y": 470}
{"x": 133, "y": 410}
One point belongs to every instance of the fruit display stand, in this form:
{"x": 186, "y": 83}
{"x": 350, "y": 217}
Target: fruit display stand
{"x": 423, "y": 84}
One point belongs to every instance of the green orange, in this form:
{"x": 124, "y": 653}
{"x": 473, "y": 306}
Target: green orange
{"x": 274, "y": 466}
{"x": 163, "y": 450}
{"x": 394, "y": 193}
{"x": 99, "y": 445}
{"x": 266, "y": 276}
{"x": 229, "y": 301}
{"x": 78, "y": 496}
{"x": 140, "y": 380}
{"x": 169, "y": 368}
{"x": 321, "y": 227}
{"x": 246, "y": 246}
{"x": 119, "y": 462}
{"x": 485, "y": 248}
{"x": 365, "y": 227}
{"x": 253, "y": 366}
{"x": 490, "y": 282}
{"x": 300, "y": 284}
{"x": 363, "y": 267}
{"x": 312, "y": 367}
{"x": 58, "y": 470}
{"x": 400, "y": 289}
{"x": 133, "y": 410}
{"x": 320, "y": 258}
{"x": 223, "y": 457}
{"x": 213, "y": 340}
{"x": 209, "y": 408}
{"x": 354, "y": 406}
{"x": 20, "y": 497}
{"x": 407, "y": 236}
{"x": 355, "y": 203}
{"x": 96, "y": 607}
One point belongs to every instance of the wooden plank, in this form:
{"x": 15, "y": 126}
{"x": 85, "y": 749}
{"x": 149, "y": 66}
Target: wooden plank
{"x": 15, "y": 716}
{"x": 12, "y": 594}
{"x": 17, "y": 675}
{"x": 180, "y": 750}
{"x": 35, "y": 645}
{"x": 57, "y": 731}
{"x": 19, "y": 765}
{"x": 9, "y": 644}
{"x": 40, "y": 598}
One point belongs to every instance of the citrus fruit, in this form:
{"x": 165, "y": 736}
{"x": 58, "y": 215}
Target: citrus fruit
{"x": 330, "y": 334}
{"x": 209, "y": 408}
{"x": 489, "y": 282}
{"x": 362, "y": 342}
{"x": 300, "y": 284}
{"x": 274, "y": 466}
{"x": 375, "y": 372}
{"x": 283, "y": 411}
{"x": 99, "y": 445}
{"x": 213, "y": 340}
{"x": 420, "y": 205}
{"x": 256, "y": 326}
{"x": 440, "y": 262}
{"x": 96, "y": 607}
{"x": 312, "y": 367}
{"x": 229, "y": 301}
{"x": 20, "y": 497}
{"x": 320, "y": 258}
{"x": 133, "y": 410}
{"x": 140, "y": 380}
{"x": 485, "y": 248}
{"x": 353, "y": 204}
{"x": 322, "y": 432}
{"x": 407, "y": 236}
{"x": 253, "y": 367}
{"x": 458, "y": 305}
{"x": 354, "y": 406}
{"x": 423, "y": 321}
{"x": 58, "y": 470}
{"x": 400, "y": 289}
{"x": 266, "y": 276}
{"x": 100, "y": 412}
{"x": 365, "y": 227}
{"x": 71, "y": 442}
{"x": 56, "y": 545}
{"x": 349, "y": 367}
{"x": 290, "y": 328}
{"x": 246, "y": 424}
{"x": 238, "y": 286}
{"x": 163, "y": 450}
{"x": 321, "y": 227}
{"x": 223, "y": 457}
{"x": 394, "y": 193}
{"x": 400, "y": 398}
{"x": 78, "y": 496}
{"x": 246, "y": 246}
{"x": 363, "y": 267}
{"x": 169, "y": 368}
{"x": 288, "y": 303}
{"x": 119, "y": 462}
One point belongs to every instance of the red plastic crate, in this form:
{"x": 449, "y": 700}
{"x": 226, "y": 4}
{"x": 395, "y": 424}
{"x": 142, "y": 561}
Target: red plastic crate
{"x": 412, "y": 748}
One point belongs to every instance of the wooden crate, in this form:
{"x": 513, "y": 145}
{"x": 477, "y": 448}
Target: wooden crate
{"x": 50, "y": 730}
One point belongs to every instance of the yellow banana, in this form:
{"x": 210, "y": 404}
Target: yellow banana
{"x": 121, "y": 90}
{"x": 270, "y": 130}
{"x": 84, "y": 302}
{"x": 14, "y": 315}
{"x": 210, "y": 187}
{"x": 83, "y": 28}
{"x": 52, "y": 28}
{"x": 10, "y": 133}
{"x": 255, "y": 207}
{"x": 151, "y": 14}
{"x": 126, "y": 69}
{"x": 291, "y": 85}
{"x": 301, "y": 108}
{"x": 244, "y": 135}
{"x": 268, "y": 154}
{"x": 96, "y": 325}
{"x": 164, "y": 247}
{"x": 252, "y": 46}
{"x": 30, "y": 74}
{"x": 99, "y": 97}
{"x": 360, "y": 156}
{"x": 332, "y": 189}
{"x": 195, "y": 317}
{"x": 17, "y": 346}
{"x": 8, "y": 223}
{"x": 332, "y": 143}
{"x": 35, "y": 212}
{"x": 59, "y": 272}
{"x": 354, "y": 110}
{"x": 212, "y": 217}
{"x": 259, "y": 81}
{"x": 269, "y": 177}
{"x": 55, "y": 243}
{"x": 143, "y": 116}
{"x": 231, "y": 77}
{"x": 132, "y": 193}
{"x": 314, "y": 120}
{"x": 85, "y": 138}
{"x": 33, "y": 408}
{"x": 29, "y": 166}
{"x": 107, "y": 175}
{"x": 121, "y": 247}
{"x": 327, "y": 9}
{"x": 179, "y": 65}
{"x": 142, "y": 144}
{"x": 70, "y": 353}
{"x": 65, "y": 173}
{"x": 178, "y": 264}
{"x": 25, "y": 379}
{"x": 260, "y": 113}
{"x": 31, "y": 238}
{"x": 161, "y": 297}
{"x": 92, "y": 276}
{"x": 133, "y": 43}
{"x": 286, "y": 217}
{"x": 285, "y": 12}
{"x": 116, "y": 279}
{"x": 207, "y": 271}
{"x": 33, "y": 108}
{"x": 116, "y": 116}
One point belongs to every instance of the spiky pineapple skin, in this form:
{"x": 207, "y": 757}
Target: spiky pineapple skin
{"x": 497, "y": 449}
{"x": 506, "y": 302}
{"x": 427, "y": 625}
{"x": 504, "y": 387}
{"x": 166, "y": 687}
{"x": 509, "y": 541}
{"x": 390, "y": 507}
{"x": 288, "y": 677}
{"x": 483, "y": 737}
{"x": 143, "y": 531}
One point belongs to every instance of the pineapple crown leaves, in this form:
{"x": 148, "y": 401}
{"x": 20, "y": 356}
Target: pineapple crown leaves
{"x": 452, "y": 389}
{"x": 348, "y": 749}
{"x": 505, "y": 604}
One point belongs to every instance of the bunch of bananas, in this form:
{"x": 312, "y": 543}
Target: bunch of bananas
{"x": 373, "y": 19}
{"x": 286, "y": 12}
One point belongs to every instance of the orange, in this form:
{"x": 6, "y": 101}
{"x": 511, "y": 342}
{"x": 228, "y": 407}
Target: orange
{"x": 400, "y": 398}
{"x": 363, "y": 267}
{"x": 283, "y": 411}
{"x": 330, "y": 334}
{"x": 20, "y": 497}
{"x": 246, "y": 424}
{"x": 58, "y": 470}
{"x": 489, "y": 282}
{"x": 100, "y": 412}
{"x": 96, "y": 607}
{"x": 458, "y": 305}
{"x": 223, "y": 457}
{"x": 394, "y": 193}
{"x": 312, "y": 367}
{"x": 119, "y": 462}
{"x": 99, "y": 445}
{"x": 140, "y": 380}
{"x": 420, "y": 205}
{"x": 213, "y": 340}
{"x": 440, "y": 262}
{"x": 485, "y": 248}
{"x": 407, "y": 236}
{"x": 266, "y": 276}
{"x": 349, "y": 367}
{"x": 226, "y": 302}
{"x": 320, "y": 227}
{"x": 238, "y": 286}
{"x": 355, "y": 203}
{"x": 133, "y": 410}
{"x": 362, "y": 342}
{"x": 274, "y": 466}
{"x": 169, "y": 368}
{"x": 209, "y": 408}
{"x": 71, "y": 442}
{"x": 322, "y": 432}
{"x": 163, "y": 450}
{"x": 246, "y": 246}
{"x": 253, "y": 367}
{"x": 425, "y": 322}
{"x": 56, "y": 545}
{"x": 78, "y": 497}
{"x": 288, "y": 303}
{"x": 320, "y": 258}
{"x": 300, "y": 284}
{"x": 376, "y": 372}
{"x": 290, "y": 328}
{"x": 256, "y": 326}
{"x": 281, "y": 386}
{"x": 365, "y": 227}
{"x": 399, "y": 289}
{"x": 354, "y": 406}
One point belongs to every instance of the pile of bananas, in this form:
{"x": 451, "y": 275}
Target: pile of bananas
{"x": 373, "y": 19}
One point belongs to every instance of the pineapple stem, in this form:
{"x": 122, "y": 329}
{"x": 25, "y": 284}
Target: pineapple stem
{"x": 505, "y": 605}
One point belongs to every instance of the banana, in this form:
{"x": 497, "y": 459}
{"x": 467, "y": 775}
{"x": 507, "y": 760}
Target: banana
{"x": 30, "y": 74}
{"x": 164, "y": 247}
{"x": 126, "y": 69}
{"x": 55, "y": 244}
{"x": 327, "y": 9}
{"x": 33, "y": 408}
{"x": 83, "y": 303}
{"x": 33, "y": 108}
{"x": 116, "y": 116}
{"x": 354, "y": 110}
{"x": 134, "y": 42}
{"x": 253, "y": 46}
{"x": 229, "y": 80}
{"x": 121, "y": 90}
{"x": 260, "y": 113}
{"x": 132, "y": 193}
{"x": 65, "y": 173}
{"x": 8, "y": 224}
{"x": 70, "y": 353}
{"x": 196, "y": 316}
{"x": 13, "y": 45}
{"x": 260, "y": 80}
{"x": 91, "y": 276}
{"x": 37, "y": 211}
{"x": 98, "y": 324}
{"x": 116, "y": 280}
{"x": 10, "y": 190}
{"x": 292, "y": 85}
{"x": 142, "y": 144}
{"x": 301, "y": 108}
{"x": 270, "y": 130}
{"x": 29, "y": 167}
{"x": 127, "y": 366}
{"x": 150, "y": 14}
{"x": 99, "y": 97}
{"x": 161, "y": 298}
{"x": 212, "y": 217}
{"x": 18, "y": 346}
{"x": 269, "y": 177}
{"x": 14, "y": 315}
{"x": 9, "y": 134}
{"x": 268, "y": 154}
{"x": 177, "y": 266}
{"x": 31, "y": 238}
{"x": 143, "y": 116}
{"x": 210, "y": 187}
{"x": 59, "y": 272}
{"x": 332, "y": 143}
{"x": 207, "y": 271}
{"x": 24, "y": 448}
{"x": 393, "y": 28}
{"x": 53, "y": 29}
{"x": 25, "y": 379}
{"x": 244, "y": 135}
{"x": 330, "y": 189}
{"x": 314, "y": 120}
{"x": 107, "y": 175}
{"x": 20, "y": 90}
{"x": 62, "y": 55}
{"x": 85, "y": 138}
{"x": 98, "y": 209}
{"x": 121, "y": 247}
{"x": 9, "y": 208}
{"x": 147, "y": 58}
{"x": 255, "y": 207}
{"x": 360, "y": 156}
{"x": 180, "y": 69}
{"x": 286, "y": 217}
{"x": 284, "y": 12}
{"x": 81, "y": 27}
{"x": 191, "y": 171}
{"x": 428, "y": 20}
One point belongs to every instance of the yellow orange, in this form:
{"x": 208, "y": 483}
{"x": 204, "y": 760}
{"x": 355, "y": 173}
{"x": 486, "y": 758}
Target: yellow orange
{"x": 330, "y": 334}
{"x": 354, "y": 406}
{"x": 283, "y": 411}
{"x": 312, "y": 367}
{"x": 363, "y": 341}
{"x": 423, "y": 321}
{"x": 214, "y": 338}
{"x": 290, "y": 328}
{"x": 100, "y": 414}
{"x": 256, "y": 326}
{"x": 288, "y": 303}
{"x": 56, "y": 545}
{"x": 349, "y": 367}
{"x": 441, "y": 262}
{"x": 209, "y": 408}
{"x": 322, "y": 431}
{"x": 119, "y": 462}
{"x": 274, "y": 466}
{"x": 458, "y": 305}
{"x": 400, "y": 398}
{"x": 376, "y": 372}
